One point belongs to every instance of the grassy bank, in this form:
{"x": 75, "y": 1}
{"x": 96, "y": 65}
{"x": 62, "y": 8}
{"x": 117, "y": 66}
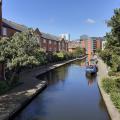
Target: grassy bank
{"x": 112, "y": 86}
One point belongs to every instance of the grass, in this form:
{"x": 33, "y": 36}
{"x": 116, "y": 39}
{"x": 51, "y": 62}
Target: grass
{"x": 112, "y": 86}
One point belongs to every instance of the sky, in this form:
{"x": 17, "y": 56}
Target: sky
{"x": 76, "y": 17}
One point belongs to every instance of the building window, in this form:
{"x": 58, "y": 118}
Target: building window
{"x": 50, "y": 42}
{"x": 50, "y": 49}
{"x": 63, "y": 45}
{"x": 59, "y": 46}
{"x": 4, "y": 31}
{"x": 44, "y": 41}
{"x": 55, "y": 43}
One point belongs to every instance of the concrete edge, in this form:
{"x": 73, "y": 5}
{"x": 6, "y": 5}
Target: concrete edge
{"x": 38, "y": 89}
{"x": 112, "y": 110}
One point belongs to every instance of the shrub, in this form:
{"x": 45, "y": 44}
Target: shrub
{"x": 108, "y": 84}
{"x": 115, "y": 96}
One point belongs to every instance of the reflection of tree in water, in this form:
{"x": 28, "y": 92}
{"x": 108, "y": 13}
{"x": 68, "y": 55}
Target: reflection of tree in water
{"x": 55, "y": 75}
{"x": 80, "y": 62}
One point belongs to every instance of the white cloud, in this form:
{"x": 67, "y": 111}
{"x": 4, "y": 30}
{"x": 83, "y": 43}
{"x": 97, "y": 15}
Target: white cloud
{"x": 90, "y": 21}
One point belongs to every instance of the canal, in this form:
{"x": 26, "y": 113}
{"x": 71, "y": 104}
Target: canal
{"x": 70, "y": 95}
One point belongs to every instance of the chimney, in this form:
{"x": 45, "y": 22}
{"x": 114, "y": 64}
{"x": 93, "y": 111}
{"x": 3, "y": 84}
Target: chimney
{"x": 0, "y": 17}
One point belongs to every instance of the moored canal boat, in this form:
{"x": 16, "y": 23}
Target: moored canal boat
{"x": 91, "y": 69}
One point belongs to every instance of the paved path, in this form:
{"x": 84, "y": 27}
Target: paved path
{"x": 103, "y": 72}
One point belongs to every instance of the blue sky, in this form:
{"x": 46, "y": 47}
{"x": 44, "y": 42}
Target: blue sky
{"x": 76, "y": 17}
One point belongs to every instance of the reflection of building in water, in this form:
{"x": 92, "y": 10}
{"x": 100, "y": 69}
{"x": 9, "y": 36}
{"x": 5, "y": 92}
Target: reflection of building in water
{"x": 89, "y": 57}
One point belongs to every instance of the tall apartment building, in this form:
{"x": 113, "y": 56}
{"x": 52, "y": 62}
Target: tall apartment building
{"x": 91, "y": 44}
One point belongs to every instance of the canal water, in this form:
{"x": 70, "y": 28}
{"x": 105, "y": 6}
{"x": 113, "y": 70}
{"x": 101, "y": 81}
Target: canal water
{"x": 70, "y": 95}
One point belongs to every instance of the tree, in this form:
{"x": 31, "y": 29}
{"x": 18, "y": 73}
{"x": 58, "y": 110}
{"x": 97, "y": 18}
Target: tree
{"x": 79, "y": 51}
{"x": 21, "y": 50}
{"x": 112, "y": 49}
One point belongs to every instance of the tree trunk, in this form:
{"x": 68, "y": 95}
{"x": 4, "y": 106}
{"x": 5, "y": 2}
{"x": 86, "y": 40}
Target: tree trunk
{"x": 2, "y": 71}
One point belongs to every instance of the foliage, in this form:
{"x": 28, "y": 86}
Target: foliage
{"x": 112, "y": 87}
{"x": 21, "y": 50}
{"x": 111, "y": 54}
{"x": 78, "y": 52}
{"x": 58, "y": 56}
{"x": 98, "y": 51}
{"x": 108, "y": 84}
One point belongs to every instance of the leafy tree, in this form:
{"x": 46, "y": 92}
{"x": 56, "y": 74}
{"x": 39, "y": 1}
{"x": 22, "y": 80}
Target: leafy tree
{"x": 79, "y": 51}
{"x": 21, "y": 50}
{"x": 112, "y": 49}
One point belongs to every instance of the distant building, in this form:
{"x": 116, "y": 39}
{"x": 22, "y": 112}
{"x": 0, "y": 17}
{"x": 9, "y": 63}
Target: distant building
{"x": 65, "y": 36}
{"x": 91, "y": 44}
{"x": 103, "y": 44}
{"x": 72, "y": 45}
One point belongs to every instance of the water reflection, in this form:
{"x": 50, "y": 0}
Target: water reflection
{"x": 54, "y": 76}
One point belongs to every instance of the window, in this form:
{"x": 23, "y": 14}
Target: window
{"x": 50, "y": 49}
{"x": 44, "y": 41}
{"x": 4, "y": 31}
{"x": 59, "y": 46}
{"x": 55, "y": 43}
{"x": 50, "y": 41}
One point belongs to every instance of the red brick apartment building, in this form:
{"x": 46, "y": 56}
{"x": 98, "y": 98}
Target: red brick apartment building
{"x": 91, "y": 44}
{"x": 48, "y": 42}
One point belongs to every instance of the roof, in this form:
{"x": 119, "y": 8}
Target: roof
{"x": 50, "y": 36}
{"x": 14, "y": 25}
{"x": 22, "y": 28}
{"x": 73, "y": 44}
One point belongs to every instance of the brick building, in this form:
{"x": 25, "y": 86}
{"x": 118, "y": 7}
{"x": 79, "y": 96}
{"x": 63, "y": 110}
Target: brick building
{"x": 51, "y": 43}
{"x": 48, "y": 42}
{"x": 91, "y": 44}
{"x": 72, "y": 45}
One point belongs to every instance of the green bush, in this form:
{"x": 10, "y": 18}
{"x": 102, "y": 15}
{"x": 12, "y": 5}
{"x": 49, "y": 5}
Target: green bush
{"x": 112, "y": 73}
{"x": 112, "y": 87}
{"x": 3, "y": 87}
{"x": 115, "y": 96}
{"x": 108, "y": 84}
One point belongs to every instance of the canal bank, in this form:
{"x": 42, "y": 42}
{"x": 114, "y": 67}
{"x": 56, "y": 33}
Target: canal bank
{"x": 16, "y": 99}
{"x": 103, "y": 72}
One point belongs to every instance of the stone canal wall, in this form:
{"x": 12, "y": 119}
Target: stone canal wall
{"x": 103, "y": 72}
{"x": 16, "y": 99}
